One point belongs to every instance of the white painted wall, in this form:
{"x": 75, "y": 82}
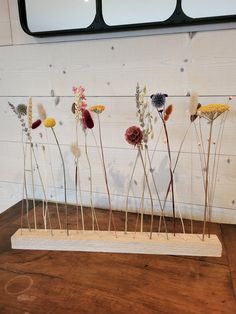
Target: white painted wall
{"x": 109, "y": 68}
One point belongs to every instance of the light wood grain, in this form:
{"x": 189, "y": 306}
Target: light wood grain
{"x": 119, "y": 242}
{"x": 112, "y": 283}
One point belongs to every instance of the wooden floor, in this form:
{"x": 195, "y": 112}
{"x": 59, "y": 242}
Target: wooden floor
{"x": 74, "y": 282}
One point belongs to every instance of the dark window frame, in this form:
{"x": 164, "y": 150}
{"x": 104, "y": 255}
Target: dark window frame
{"x": 178, "y": 18}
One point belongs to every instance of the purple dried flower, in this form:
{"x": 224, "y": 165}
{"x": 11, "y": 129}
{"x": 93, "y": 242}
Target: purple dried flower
{"x": 158, "y": 100}
{"x": 36, "y": 124}
{"x": 87, "y": 120}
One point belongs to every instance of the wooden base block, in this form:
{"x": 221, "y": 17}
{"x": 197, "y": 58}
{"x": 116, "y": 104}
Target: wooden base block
{"x": 105, "y": 241}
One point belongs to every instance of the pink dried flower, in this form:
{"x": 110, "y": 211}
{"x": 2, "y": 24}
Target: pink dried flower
{"x": 36, "y": 124}
{"x": 87, "y": 120}
{"x": 80, "y": 91}
{"x": 134, "y": 135}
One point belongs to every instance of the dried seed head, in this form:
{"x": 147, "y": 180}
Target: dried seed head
{"x": 29, "y": 113}
{"x": 193, "y": 103}
{"x": 41, "y": 112}
{"x": 74, "y": 148}
{"x": 134, "y": 135}
{"x": 36, "y": 124}
{"x": 21, "y": 109}
{"x": 168, "y": 110}
{"x": 166, "y": 117}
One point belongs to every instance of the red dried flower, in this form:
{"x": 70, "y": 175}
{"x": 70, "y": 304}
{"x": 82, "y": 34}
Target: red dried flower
{"x": 87, "y": 120}
{"x": 36, "y": 124}
{"x": 166, "y": 117}
{"x": 134, "y": 135}
{"x": 169, "y": 110}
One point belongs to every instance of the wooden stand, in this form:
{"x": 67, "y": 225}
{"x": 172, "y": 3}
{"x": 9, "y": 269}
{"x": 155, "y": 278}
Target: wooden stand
{"x": 104, "y": 241}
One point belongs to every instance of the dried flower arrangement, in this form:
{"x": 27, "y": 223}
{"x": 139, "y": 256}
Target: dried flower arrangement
{"x": 148, "y": 113}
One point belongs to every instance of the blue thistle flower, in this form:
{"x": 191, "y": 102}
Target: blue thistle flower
{"x": 158, "y": 101}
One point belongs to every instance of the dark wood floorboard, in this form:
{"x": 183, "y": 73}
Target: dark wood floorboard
{"x": 80, "y": 282}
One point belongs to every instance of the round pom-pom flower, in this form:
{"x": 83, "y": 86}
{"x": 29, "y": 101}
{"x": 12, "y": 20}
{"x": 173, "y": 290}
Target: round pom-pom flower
{"x": 36, "y": 124}
{"x": 97, "y": 108}
{"x": 21, "y": 109}
{"x": 49, "y": 122}
{"x": 134, "y": 135}
{"x": 158, "y": 100}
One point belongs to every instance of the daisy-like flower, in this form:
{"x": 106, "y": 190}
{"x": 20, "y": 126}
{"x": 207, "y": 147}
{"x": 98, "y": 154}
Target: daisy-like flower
{"x": 212, "y": 111}
{"x": 159, "y": 100}
{"x": 97, "y": 108}
{"x": 134, "y": 135}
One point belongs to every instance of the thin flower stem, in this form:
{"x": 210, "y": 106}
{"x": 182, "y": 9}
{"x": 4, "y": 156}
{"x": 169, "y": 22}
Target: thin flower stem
{"x": 149, "y": 190}
{"x": 171, "y": 171}
{"x": 78, "y": 184}
{"x": 32, "y": 181}
{"x": 93, "y": 213}
{"x": 53, "y": 181}
{"x": 141, "y": 209}
{"x": 175, "y": 165}
{"x": 64, "y": 177}
{"x": 156, "y": 190}
{"x": 216, "y": 166}
{"x": 24, "y": 188}
{"x": 46, "y": 211}
{"x": 207, "y": 180}
{"x": 127, "y": 197}
{"x": 111, "y": 218}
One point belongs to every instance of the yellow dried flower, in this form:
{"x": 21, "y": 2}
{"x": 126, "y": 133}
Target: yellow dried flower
{"x": 212, "y": 111}
{"x": 49, "y": 122}
{"x": 97, "y": 108}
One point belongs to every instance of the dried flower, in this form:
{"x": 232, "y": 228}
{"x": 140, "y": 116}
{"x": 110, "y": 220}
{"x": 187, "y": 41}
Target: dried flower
{"x": 73, "y": 108}
{"x": 97, "y": 108}
{"x": 134, "y": 135}
{"x": 168, "y": 110}
{"x": 193, "y": 117}
{"x": 74, "y": 148}
{"x": 212, "y": 111}
{"x": 41, "y": 112}
{"x": 87, "y": 121}
{"x": 79, "y": 91}
{"x": 159, "y": 100}
{"x": 193, "y": 105}
{"x": 49, "y": 122}
{"x": 21, "y": 109}
{"x": 165, "y": 117}
{"x": 29, "y": 112}
{"x": 36, "y": 124}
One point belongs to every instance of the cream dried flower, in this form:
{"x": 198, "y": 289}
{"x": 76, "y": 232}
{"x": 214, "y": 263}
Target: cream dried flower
{"x": 41, "y": 112}
{"x": 74, "y": 148}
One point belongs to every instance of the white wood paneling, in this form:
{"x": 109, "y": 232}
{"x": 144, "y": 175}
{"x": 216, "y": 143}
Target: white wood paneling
{"x": 5, "y": 26}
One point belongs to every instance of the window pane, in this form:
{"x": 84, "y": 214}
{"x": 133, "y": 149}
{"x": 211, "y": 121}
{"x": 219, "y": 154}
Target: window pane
{"x": 120, "y": 12}
{"x": 49, "y": 15}
{"x": 208, "y": 8}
